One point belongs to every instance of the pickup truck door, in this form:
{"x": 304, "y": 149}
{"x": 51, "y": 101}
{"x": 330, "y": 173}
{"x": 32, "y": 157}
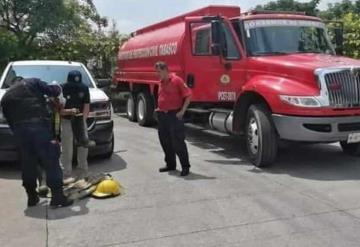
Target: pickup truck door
{"x": 213, "y": 77}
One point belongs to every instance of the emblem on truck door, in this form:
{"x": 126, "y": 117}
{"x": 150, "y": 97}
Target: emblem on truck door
{"x": 225, "y": 79}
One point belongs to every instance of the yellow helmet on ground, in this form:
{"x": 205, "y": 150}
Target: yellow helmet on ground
{"x": 107, "y": 188}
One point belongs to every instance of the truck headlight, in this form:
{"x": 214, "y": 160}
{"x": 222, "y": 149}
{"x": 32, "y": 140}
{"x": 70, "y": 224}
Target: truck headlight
{"x": 301, "y": 101}
{"x": 2, "y": 118}
{"x": 100, "y": 110}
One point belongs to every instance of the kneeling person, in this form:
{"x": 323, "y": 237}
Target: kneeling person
{"x": 25, "y": 109}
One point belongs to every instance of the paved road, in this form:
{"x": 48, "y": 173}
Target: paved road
{"x": 310, "y": 198}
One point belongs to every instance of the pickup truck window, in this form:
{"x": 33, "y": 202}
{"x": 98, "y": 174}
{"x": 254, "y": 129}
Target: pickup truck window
{"x": 281, "y": 37}
{"x": 47, "y": 73}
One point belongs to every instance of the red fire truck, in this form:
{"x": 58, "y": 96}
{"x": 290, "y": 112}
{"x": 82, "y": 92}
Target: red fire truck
{"x": 270, "y": 76}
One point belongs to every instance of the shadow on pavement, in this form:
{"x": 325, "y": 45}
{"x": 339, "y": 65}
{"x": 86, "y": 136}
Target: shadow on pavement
{"x": 232, "y": 148}
{"x": 96, "y": 165}
{"x": 43, "y": 211}
{"x": 228, "y": 162}
{"x": 115, "y": 163}
{"x": 316, "y": 162}
{"x": 10, "y": 170}
{"x": 191, "y": 176}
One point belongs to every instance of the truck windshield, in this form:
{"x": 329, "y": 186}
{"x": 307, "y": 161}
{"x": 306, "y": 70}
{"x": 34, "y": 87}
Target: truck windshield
{"x": 281, "y": 37}
{"x": 47, "y": 73}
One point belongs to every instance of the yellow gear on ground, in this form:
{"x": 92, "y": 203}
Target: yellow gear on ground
{"x": 107, "y": 188}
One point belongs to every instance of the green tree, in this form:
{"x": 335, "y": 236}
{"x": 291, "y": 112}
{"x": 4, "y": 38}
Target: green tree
{"x": 310, "y": 8}
{"x": 8, "y": 47}
{"x": 338, "y": 10}
{"x": 26, "y": 19}
{"x": 352, "y": 35}
{"x": 72, "y": 30}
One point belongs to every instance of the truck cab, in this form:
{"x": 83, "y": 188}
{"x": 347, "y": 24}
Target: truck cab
{"x": 270, "y": 76}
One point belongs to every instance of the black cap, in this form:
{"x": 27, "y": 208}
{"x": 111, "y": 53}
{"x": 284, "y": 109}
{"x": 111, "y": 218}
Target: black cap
{"x": 74, "y": 76}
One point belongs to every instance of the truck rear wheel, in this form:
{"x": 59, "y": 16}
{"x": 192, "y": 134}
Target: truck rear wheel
{"x": 130, "y": 108}
{"x": 350, "y": 148}
{"x": 145, "y": 109}
{"x": 261, "y": 138}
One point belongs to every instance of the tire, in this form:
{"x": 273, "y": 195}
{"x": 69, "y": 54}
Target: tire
{"x": 131, "y": 108}
{"x": 262, "y": 140}
{"x": 145, "y": 109}
{"x": 352, "y": 149}
{"x": 109, "y": 154}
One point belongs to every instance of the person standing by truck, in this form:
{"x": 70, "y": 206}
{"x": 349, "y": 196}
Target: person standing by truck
{"x": 77, "y": 96}
{"x": 173, "y": 99}
{"x": 25, "y": 108}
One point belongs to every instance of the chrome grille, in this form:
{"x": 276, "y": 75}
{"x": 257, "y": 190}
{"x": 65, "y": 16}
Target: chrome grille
{"x": 344, "y": 88}
{"x": 90, "y": 123}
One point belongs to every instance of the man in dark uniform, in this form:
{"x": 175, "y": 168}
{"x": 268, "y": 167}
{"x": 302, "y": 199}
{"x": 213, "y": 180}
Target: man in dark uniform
{"x": 24, "y": 107}
{"x": 173, "y": 99}
{"x": 77, "y": 96}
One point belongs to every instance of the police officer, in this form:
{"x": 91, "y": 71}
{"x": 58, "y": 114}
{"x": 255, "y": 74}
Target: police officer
{"x": 77, "y": 97}
{"x": 25, "y": 108}
{"x": 173, "y": 99}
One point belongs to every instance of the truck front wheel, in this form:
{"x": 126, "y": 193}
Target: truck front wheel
{"x": 350, "y": 148}
{"x": 130, "y": 108}
{"x": 262, "y": 143}
{"x": 145, "y": 109}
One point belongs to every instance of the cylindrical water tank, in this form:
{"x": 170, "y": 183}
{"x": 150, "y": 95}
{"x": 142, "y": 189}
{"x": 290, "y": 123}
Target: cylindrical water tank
{"x": 221, "y": 121}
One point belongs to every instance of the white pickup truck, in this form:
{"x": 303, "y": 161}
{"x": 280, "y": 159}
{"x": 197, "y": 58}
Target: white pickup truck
{"x": 100, "y": 124}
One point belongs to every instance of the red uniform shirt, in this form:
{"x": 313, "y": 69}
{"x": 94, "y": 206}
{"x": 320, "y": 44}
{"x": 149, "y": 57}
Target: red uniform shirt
{"x": 172, "y": 93}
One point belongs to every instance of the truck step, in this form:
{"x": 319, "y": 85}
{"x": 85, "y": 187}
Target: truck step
{"x": 216, "y": 133}
{"x": 198, "y": 110}
{"x": 220, "y": 110}
{"x": 195, "y": 126}
{"x": 206, "y": 130}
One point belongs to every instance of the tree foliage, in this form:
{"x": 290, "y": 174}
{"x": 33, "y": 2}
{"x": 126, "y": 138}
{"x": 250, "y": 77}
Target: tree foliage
{"x": 340, "y": 9}
{"x": 352, "y": 35}
{"x": 72, "y": 30}
{"x": 310, "y": 8}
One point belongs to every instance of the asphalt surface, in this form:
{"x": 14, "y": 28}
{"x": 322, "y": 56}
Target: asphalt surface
{"x": 310, "y": 197}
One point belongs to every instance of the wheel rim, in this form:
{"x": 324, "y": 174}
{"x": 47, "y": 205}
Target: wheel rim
{"x": 253, "y": 136}
{"x": 141, "y": 109}
{"x": 130, "y": 107}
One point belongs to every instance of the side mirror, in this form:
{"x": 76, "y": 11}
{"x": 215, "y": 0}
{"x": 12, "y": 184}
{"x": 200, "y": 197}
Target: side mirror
{"x": 216, "y": 43}
{"x": 101, "y": 83}
{"x": 339, "y": 40}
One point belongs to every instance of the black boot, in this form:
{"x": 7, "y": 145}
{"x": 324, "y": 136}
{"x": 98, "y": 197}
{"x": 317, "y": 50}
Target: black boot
{"x": 60, "y": 200}
{"x": 185, "y": 172}
{"x": 43, "y": 191}
{"x": 167, "y": 169}
{"x": 33, "y": 198}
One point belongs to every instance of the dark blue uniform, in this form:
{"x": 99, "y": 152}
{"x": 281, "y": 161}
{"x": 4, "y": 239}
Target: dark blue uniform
{"x": 24, "y": 107}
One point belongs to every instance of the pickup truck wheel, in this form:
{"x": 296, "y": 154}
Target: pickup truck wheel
{"x": 261, "y": 138}
{"x": 109, "y": 154}
{"x": 350, "y": 148}
{"x": 145, "y": 109}
{"x": 130, "y": 108}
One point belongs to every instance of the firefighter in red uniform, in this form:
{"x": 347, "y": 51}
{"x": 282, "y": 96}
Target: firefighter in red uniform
{"x": 173, "y": 99}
